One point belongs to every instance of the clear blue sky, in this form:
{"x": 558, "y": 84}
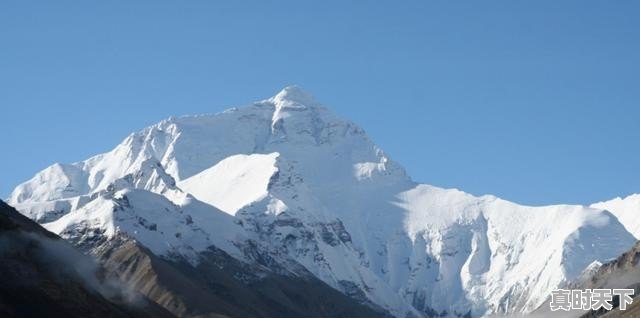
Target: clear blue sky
{"x": 534, "y": 101}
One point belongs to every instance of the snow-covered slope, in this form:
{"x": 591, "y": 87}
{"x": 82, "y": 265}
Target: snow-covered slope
{"x": 506, "y": 256}
{"x": 151, "y": 219}
{"x": 233, "y": 182}
{"x": 303, "y": 186}
{"x": 627, "y": 210}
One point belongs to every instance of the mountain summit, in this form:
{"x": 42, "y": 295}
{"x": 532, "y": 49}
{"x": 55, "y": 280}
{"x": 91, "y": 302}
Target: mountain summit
{"x": 286, "y": 185}
{"x": 293, "y": 95}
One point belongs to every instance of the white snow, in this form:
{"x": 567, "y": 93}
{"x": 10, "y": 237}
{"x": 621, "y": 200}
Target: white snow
{"x": 487, "y": 248}
{"x": 55, "y": 182}
{"x": 154, "y": 221}
{"x": 627, "y": 210}
{"x": 290, "y": 99}
{"x": 233, "y": 182}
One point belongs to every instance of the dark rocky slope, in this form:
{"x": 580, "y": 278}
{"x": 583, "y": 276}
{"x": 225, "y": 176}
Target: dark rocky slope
{"x": 44, "y": 276}
{"x": 623, "y": 272}
{"x": 223, "y": 286}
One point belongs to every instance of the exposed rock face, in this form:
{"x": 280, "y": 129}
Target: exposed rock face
{"x": 43, "y": 276}
{"x": 623, "y": 272}
{"x": 223, "y": 286}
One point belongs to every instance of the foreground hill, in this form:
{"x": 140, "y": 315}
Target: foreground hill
{"x": 44, "y": 276}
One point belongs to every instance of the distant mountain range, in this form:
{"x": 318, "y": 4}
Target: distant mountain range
{"x": 283, "y": 209}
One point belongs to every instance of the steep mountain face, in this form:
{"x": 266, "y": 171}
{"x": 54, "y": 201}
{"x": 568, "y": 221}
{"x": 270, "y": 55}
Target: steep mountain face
{"x": 286, "y": 184}
{"x": 627, "y": 210}
{"x": 43, "y": 276}
{"x": 622, "y": 272}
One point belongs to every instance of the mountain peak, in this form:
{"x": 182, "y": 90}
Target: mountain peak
{"x": 290, "y": 100}
{"x": 293, "y": 96}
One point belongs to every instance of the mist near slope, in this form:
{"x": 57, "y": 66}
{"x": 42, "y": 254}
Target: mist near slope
{"x": 67, "y": 262}
{"x": 31, "y": 255}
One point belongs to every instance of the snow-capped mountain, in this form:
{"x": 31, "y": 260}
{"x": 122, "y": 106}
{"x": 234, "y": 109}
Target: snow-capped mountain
{"x": 291, "y": 181}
